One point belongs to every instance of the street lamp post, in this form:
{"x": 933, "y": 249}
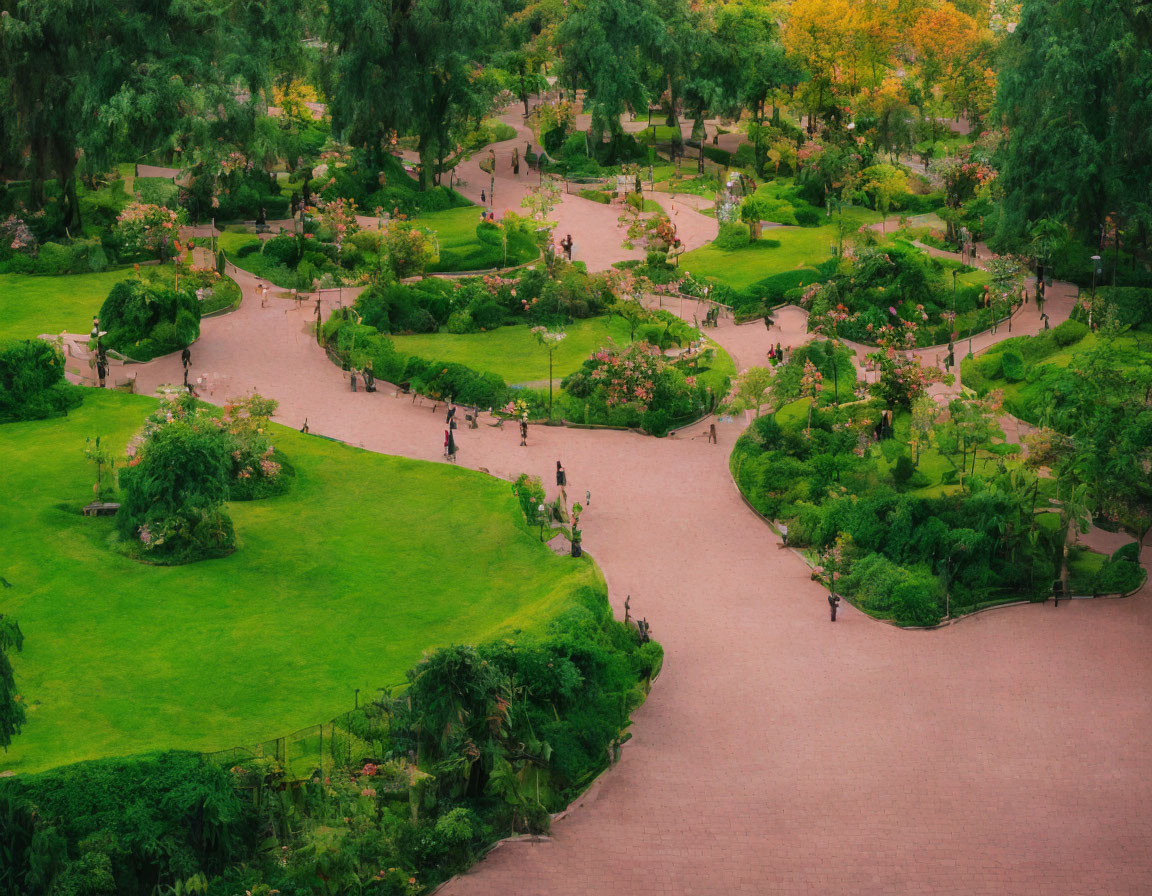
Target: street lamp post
{"x": 1096, "y": 270}
{"x": 540, "y": 517}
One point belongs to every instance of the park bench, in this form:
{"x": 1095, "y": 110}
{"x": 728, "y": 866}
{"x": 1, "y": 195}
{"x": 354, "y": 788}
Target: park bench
{"x": 100, "y": 508}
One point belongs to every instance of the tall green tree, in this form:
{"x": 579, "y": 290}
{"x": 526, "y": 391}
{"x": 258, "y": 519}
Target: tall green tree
{"x": 93, "y": 80}
{"x": 413, "y": 68}
{"x": 1076, "y": 94}
{"x": 605, "y": 47}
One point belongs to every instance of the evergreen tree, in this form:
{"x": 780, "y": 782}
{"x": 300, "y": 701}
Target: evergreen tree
{"x": 1076, "y": 95}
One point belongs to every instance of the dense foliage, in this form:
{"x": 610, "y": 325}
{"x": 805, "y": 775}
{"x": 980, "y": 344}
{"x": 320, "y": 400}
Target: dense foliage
{"x": 900, "y": 550}
{"x": 147, "y": 318}
{"x": 32, "y": 384}
{"x": 184, "y": 465}
{"x": 1076, "y": 94}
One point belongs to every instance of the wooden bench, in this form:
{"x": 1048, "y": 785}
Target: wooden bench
{"x": 100, "y": 508}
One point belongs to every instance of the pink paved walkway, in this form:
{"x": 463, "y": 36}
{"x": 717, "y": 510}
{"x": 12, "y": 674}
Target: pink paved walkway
{"x": 1009, "y": 754}
{"x": 596, "y": 233}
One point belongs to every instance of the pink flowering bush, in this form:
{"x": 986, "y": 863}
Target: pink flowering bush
{"x": 16, "y": 236}
{"x": 635, "y": 386}
{"x": 145, "y": 229}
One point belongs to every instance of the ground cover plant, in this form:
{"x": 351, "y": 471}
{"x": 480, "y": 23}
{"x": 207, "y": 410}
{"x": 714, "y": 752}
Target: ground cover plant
{"x": 315, "y": 602}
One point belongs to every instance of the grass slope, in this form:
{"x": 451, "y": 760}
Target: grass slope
{"x": 343, "y": 583}
{"x": 513, "y": 352}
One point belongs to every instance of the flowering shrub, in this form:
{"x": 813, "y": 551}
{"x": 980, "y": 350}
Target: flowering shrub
{"x": 148, "y": 229}
{"x": 335, "y": 218}
{"x": 635, "y": 386}
{"x": 17, "y": 236}
{"x": 902, "y": 378}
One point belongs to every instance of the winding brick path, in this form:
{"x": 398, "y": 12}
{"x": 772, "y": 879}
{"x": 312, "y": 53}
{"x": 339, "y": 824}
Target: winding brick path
{"x": 1009, "y": 754}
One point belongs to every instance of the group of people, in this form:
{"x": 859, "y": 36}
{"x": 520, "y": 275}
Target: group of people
{"x": 366, "y": 374}
{"x": 776, "y": 355}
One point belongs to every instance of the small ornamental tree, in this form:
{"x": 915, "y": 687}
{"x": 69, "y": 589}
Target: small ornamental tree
{"x": 148, "y": 229}
{"x": 335, "y": 219}
{"x": 407, "y": 249}
{"x": 541, "y": 201}
{"x": 12, "y": 714}
{"x": 902, "y": 378}
{"x": 925, "y": 413}
{"x": 751, "y": 389}
{"x": 884, "y": 183}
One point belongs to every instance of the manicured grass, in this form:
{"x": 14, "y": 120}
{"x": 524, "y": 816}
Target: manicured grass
{"x": 460, "y": 250}
{"x": 32, "y": 304}
{"x": 513, "y": 352}
{"x": 799, "y": 247}
{"x": 343, "y": 583}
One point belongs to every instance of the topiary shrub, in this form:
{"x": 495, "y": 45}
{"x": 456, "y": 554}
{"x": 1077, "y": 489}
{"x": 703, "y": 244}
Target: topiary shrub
{"x": 32, "y": 385}
{"x": 732, "y": 236}
{"x": 903, "y": 469}
{"x": 1012, "y": 366}
{"x": 1069, "y": 333}
{"x": 145, "y": 319}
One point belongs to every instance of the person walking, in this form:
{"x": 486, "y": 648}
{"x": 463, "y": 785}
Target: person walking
{"x": 352, "y": 378}
{"x": 102, "y": 371}
{"x": 186, "y": 358}
{"x": 451, "y": 413}
{"x": 833, "y": 604}
{"x": 450, "y": 445}
{"x": 523, "y": 433}
{"x": 561, "y": 476}
{"x": 712, "y": 433}
{"x": 483, "y": 197}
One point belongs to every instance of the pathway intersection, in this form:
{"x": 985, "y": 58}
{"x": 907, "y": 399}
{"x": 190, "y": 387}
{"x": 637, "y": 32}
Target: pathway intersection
{"x": 778, "y": 753}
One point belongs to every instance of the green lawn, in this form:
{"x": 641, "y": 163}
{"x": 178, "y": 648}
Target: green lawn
{"x": 460, "y": 250}
{"x": 513, "y": 352}
{"x": 800, "y": 247}
{"x": 31, "y": 304}
{"x": 343, "y": 583}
